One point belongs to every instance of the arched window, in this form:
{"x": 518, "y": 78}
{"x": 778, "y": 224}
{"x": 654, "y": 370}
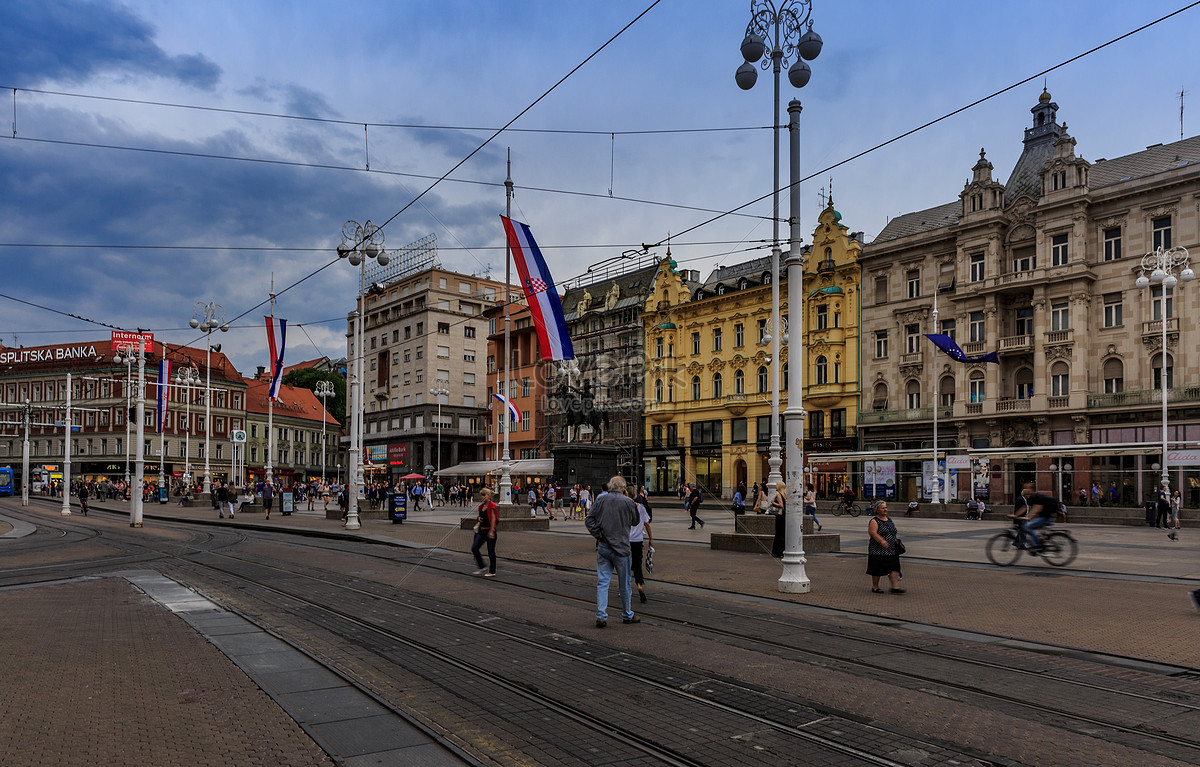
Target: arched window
{"x": 946, "y": 391}
{"x": 784, "y": 383}
{"x": 658, "y": 391}
{"x": 716, "y": 385}
{"x": 912, "y": 394}
{"x": 1024, "y": 383}
{"x": 822, "y": 370}
{"x": 1060, "y": 379}
{"x": 879, "y": 396}
{"x": 695, "y": 388}
{"x": 720, "y": 290}
{"x": 976, "y": 387}
{"x": 739, "y": 382}
{"x": 766, "y": 278}
{"x": 763, "y": 385}
{"x": 742, "y": 284}
{"x": 1114, "y": 376}
{"x": 1156, "y": 366}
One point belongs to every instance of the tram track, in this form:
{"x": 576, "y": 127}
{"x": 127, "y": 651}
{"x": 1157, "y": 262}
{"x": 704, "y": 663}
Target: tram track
{"x": 1178, "y": 703}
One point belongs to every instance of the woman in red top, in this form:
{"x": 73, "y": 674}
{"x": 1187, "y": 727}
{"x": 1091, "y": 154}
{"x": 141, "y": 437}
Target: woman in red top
{"x": 489, "y": 516}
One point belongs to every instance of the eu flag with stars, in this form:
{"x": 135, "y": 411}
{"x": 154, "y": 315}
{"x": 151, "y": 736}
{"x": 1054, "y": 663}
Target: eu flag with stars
{"x": 947, "y": 344}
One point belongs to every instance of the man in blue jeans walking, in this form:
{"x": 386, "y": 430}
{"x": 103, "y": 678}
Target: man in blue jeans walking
{"x": 611, "y": 516}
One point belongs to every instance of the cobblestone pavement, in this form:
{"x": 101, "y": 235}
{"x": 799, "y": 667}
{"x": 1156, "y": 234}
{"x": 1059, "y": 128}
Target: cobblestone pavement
{"x": 95, "y": 673}
{"x": 1144, "y": 616}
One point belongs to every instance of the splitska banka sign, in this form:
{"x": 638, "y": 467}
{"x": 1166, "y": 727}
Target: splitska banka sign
{"x": 48, "y": 354}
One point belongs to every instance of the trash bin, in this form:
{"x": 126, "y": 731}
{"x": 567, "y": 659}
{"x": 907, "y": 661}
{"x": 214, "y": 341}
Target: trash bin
{"x": 1151, "y": 512}
{"x": 163, "y": 494}
{"x": 397, "y": 508}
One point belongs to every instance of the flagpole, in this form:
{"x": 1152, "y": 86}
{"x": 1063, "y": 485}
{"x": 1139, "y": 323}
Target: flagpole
{"x": 505, "y": 458}
{"x": 270, "y": 399}
{"x": 164, "y": 376}
{"x": 935, "y": 491}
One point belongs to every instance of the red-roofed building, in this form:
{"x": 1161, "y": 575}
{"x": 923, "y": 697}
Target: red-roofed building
{"x": 301, "y": 426}
{"x": 102, "y": 391}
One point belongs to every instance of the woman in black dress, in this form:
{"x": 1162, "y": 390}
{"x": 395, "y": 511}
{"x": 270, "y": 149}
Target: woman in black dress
{"x": 882, "y": 558}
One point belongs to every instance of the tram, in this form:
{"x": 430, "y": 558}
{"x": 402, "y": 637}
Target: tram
{"x": 6, "y": 481}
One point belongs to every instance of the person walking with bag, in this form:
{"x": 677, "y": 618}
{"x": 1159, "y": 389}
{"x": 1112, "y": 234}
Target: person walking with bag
{"x": 485, "y": 532}
{"x": 640, "y": 536}
{"x": 609, "y": 520}
{"x": 268, "y": 495}
{"x": 810, "y": 505}
{"x": 693, "y": 505}
{"x": 883, "y": 550}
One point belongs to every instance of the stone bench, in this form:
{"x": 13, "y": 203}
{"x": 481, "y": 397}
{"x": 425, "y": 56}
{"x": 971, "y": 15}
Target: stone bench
{"x": 756, "y": 533}
{"x": 514, "y": 517}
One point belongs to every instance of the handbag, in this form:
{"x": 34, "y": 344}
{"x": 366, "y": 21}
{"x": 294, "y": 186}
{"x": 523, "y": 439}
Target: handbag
{"x": 899, "y": 547}
{"x": 476, "y": 528}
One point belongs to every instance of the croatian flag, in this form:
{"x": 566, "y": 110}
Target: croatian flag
{"x": 539, "y": 292}
{"x": 276, "y": 330}
{"x": 164, "y": 380}
{"x": 947, "y": 344}
{"x": 513, "y": 414}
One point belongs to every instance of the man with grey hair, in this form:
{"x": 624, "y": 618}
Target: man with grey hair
{"x": 609, "y": 520}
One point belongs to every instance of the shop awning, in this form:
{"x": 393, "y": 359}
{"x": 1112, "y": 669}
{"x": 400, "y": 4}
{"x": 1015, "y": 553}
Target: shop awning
{"x": 527, "y": 467}
{"x": 1073, "y": 451}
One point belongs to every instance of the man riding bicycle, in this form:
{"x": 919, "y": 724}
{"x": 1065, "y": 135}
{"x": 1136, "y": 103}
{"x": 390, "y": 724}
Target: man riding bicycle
{"x": 1035, "y": 511}
{"x": 848, "y": 499}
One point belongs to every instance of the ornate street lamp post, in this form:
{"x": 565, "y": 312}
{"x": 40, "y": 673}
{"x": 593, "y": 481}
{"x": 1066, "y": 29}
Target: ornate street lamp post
{"x": 324, "y": 389}
{"x": 775, "y": 38}
{"x": 208, "y": 317}
{"x": 188, "y": 377}
{"x": 438, "y": 392}
{"x": 780, "y": 28}
{"x": 1162, "y": 265}
{"x": 360, "y": 242}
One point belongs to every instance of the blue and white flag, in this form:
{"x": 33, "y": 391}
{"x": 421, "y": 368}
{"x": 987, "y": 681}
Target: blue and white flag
{"x": 947, "y": 344}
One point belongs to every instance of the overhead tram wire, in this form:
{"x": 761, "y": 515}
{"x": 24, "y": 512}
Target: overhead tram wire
{"x": 287, "y": 249}
{"x": 412, "y": 126}
{"x": 946, "y": 116}
{"x": 733, "y": 210}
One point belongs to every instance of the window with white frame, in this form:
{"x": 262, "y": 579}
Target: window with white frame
{"x": 912, "y": 278}
{"x": 822, "y": 315}
{"x": 1114, "y": 376}
{"x": 912, "y": 338}
{"x": 716, "y": 339}
{"x": 1156, "y": 297}
{"x": 716, "y": 385}
{"x": 821, "y": 369}
{"x": 1161, "y": 233}
{"x": 1025, "y": 259}
{"x": 739, "y": 337}
{"x": 881, "y": 344}
{"x": 1113, "y": 310}
{"x": 764, "y": 384}
{"x": 978, "y": 267}
{"x": 1060, "y": 380}
{"x": 976, "y": 387}
{"x": 1059, "y": 250}
{"x": 739, "y": 382}
{"x": 695, "y": 388}
{"x": 1060, "y": 316}
{"x": 976, "y": 327}
{"x": 1156, "y": 365}
{"x": 1023, "y": 325}
{"x": 912, "y": 395}
{"x": 696, "y": 343}
{"x": 946, "y": 392}
{"x": 947, "y": 327}
{"x": 443, "y": 352}
{"x": 881, "y": 289}
{"x": 1112, "y": 244}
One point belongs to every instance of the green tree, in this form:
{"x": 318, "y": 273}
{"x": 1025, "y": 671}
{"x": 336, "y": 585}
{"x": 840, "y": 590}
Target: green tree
{"x": 307, "y": 378}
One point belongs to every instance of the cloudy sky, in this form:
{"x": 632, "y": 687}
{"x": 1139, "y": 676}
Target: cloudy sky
{"x": 129, "y": 214}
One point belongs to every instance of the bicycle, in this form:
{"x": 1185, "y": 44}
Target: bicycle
{"x": 853, "y": 509}
{"x": 1059, "y": 548}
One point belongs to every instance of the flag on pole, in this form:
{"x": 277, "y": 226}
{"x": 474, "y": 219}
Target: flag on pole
{"x": 539, "y": 292}
{"x": 164, "y": 380}
{"x": 276, "y": 331}
{"x": 513, "y": 414}
{"x": 947, "y": 344}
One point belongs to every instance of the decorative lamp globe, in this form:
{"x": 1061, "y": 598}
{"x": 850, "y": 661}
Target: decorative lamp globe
{"x": 746, "y": 76}
{"x": 1158, "y": 275}
{"x": 383, "y": 258}
{"x": 753, "y": 47}
{"x": 1187, "y": 275}
{"x": 1170, "y": 281}
{"x": 355, "y": 258}
{"x": 810, "y": 44}
{"x": 195, "y": 323}
{"x": 1142, "y": 281}
{"x": 799, "y": 74}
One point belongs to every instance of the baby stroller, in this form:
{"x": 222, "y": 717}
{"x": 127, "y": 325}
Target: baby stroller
{"x": 975, "y": 509}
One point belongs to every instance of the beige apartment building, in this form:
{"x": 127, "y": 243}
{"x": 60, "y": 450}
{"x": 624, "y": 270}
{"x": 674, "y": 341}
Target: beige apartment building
{"x": 1040, "y": 268}
{"x": 425, "y": 330}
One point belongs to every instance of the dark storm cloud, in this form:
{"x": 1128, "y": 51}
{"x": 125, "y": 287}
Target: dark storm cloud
{"x": 68, "y": 42}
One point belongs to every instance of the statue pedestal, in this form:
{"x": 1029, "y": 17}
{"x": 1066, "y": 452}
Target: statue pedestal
{"x": 584, "y": 464}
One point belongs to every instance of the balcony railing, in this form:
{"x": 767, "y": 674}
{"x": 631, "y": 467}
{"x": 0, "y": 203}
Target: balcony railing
{"x": 1144, "y": 397}
{"x": 912, "y": 358}
{"x": 1012, "y": 405}
{"x": 1058, "y": 337}
{"x": 908, "y": 414}
{"x": 1016, "y": 343}
{"x": 1058, "y": 402}
{"x": 974, "y": 347}
{"x": 974, "y": 408}
{"x": 1154, "y": 327}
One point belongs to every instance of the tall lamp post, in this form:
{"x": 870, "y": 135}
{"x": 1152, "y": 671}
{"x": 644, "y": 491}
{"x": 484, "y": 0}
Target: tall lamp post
{"x": 775, "y": 37}
{"x": 780, "y": 27}
{"x": 324, "y": 389}
{"x": 438, "y": 392}
{"x": 360, "y": 242}
{"x": 128, "y": 360}
{"x": 1162, "y": 265}
{"x": 188, "y": 377}
{"x": 208, "y": 317}
{"x": 136, "y": 491}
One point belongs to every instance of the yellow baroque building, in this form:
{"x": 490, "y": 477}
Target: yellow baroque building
{"x": 708, "y": 395}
